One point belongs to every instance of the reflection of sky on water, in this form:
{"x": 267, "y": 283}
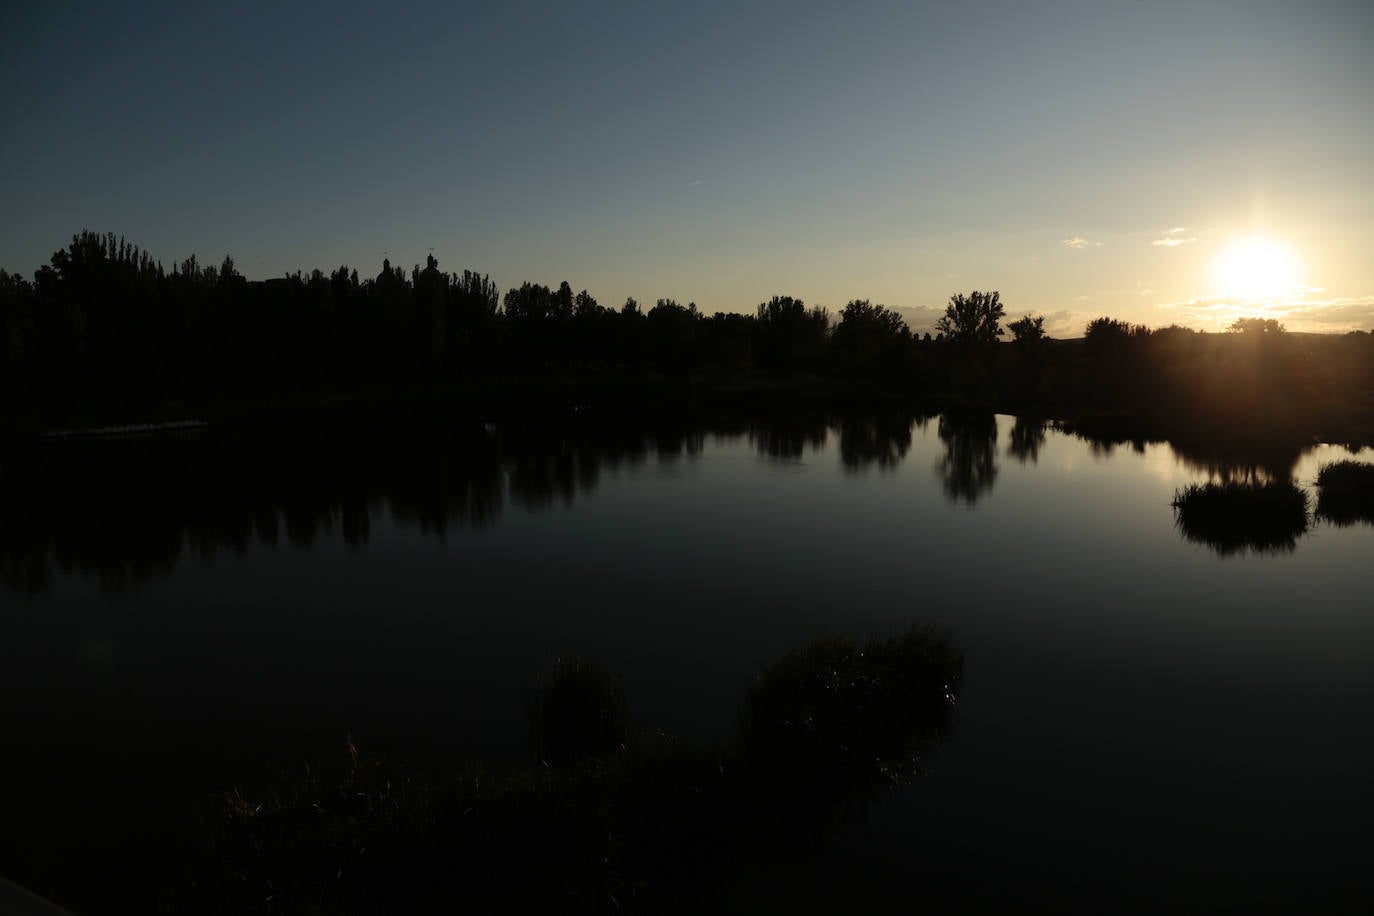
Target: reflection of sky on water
{"x": 1133, "y": 705}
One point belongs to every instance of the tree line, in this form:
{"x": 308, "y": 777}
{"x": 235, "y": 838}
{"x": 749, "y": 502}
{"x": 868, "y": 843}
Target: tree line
{"x": 104, "y": 321}
{"x": 104, "y": 330}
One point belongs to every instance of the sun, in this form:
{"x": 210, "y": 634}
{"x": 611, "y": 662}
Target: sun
{"x": 1256, "y": 268}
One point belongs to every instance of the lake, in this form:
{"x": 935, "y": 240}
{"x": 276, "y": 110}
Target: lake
{"x": 1149, "y": 721}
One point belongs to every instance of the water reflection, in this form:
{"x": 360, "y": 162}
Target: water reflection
{"x": 1027, "y": 438}
{"x": 880, "y": 440}
{"x": 1223, "y": 460}
{"x": 125, "y": 511}
{"x": 968, "y": 468}
{"x": 788, "y": 439}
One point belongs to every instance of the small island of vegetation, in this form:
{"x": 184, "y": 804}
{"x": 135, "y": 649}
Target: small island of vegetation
{"x": 609, "y": 815}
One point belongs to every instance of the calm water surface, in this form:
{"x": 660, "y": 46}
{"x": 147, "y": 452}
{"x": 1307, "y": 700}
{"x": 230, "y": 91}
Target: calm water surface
{"x": 1148, "y": 723}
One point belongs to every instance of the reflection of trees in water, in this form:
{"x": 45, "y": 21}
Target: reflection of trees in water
{"x": 1221, "y": 458}
{"x": 787, "y": 439}
{"x": 968, "y": 469}
{"x": 1272, "y": 462}
{"x": 882, "y": 440}
{"x": 124, "y": 511}
{"x": 1027, "y": 438}
{"x": 1247, "y": 503}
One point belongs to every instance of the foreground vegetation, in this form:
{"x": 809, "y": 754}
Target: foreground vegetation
{"x": 609, "y": 816}
{"x": 1235, "y": 516}
{"x": 105, "y": 334}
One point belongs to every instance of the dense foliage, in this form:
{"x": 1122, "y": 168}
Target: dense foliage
{"x": 104, "y": 333}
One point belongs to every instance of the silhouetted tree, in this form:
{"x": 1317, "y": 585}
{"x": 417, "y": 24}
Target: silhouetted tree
{"x": 790, "y": 338}
{"x": 1109, "y": 333}
{"x": 473, "y": 301}
{"x": 1256, "y": 326}
{"x": 673, "y": 333}
{"x": 529, "y": 303}
{"x": 871, "y": 340}
{"x": 973, "y": 319}
{"x": 104, "y": 333}
{"x": 1028, "y": 330}
{"x": 585, "y": 307}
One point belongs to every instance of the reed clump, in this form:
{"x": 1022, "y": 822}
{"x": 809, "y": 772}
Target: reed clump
{"x": 1345, "y": 492}
{"x": 1237, "y": 516}
{"x": 627, "y": 819}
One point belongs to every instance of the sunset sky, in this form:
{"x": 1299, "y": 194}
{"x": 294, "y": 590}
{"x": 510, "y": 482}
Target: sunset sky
{"x": 1084, "y": 158}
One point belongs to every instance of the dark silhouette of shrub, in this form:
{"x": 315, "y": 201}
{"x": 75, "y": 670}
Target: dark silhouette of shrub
{"x": 1234, "y": 517}
{"x": 851, "y": 719}
{"x": 579, "y": 710}
{"x": 1028, "y": 330}
{"x": 1346, "y": 492}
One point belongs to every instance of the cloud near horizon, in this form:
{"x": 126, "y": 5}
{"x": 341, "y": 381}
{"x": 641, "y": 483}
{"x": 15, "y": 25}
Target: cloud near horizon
{"x": 920, "y": 318}
{"x": 1325, "y": 316}
{"x": 1079, "y": 242}
{"x": 1172, "y": 242}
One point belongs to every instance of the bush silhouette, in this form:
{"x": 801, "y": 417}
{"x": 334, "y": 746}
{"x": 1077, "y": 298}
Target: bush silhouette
{"x": 1346, "y": 492}
{"x": 579, "y": 711}
{"x": 1233, "y": 517}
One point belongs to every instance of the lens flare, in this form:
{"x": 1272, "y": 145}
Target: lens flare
{"x": 1257, "y": 268}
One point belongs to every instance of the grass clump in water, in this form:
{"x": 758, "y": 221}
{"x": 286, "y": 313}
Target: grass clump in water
{"x": 1346, "y": 492}
{"x": 860, "y": 715}
{"x": 1234, "y": 517}
{"x": 579, "y": 710}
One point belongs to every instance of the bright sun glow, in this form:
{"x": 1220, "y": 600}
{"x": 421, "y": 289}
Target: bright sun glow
{"x": 1257, "y": 268}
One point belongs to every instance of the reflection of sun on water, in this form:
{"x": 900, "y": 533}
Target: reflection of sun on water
{"x": 1257, "y": 268}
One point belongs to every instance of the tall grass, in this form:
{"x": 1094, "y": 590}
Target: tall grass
{"x": 579, "y": 710}
{"x": 1234, "y": 517}
{"x": 601, "y": 825}
{"x": 1346, "y": 492}
{"x": 862, "y": 716}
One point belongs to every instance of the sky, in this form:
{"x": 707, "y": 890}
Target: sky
{"x": 1103, "y": 157}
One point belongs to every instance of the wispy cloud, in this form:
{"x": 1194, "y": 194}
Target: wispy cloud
{"x": 1177, "y": 230}
{"x": 695, "y": 183}
{"x": 1065, "y": 323}
{"x": 1297, "y": 312}
{"x": 1174, "y": 242}
{"x": 1078, "y": 242}
{"x": 1347, "y": 313}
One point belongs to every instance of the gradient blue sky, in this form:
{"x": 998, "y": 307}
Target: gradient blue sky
{"x": 716, "y": 152}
